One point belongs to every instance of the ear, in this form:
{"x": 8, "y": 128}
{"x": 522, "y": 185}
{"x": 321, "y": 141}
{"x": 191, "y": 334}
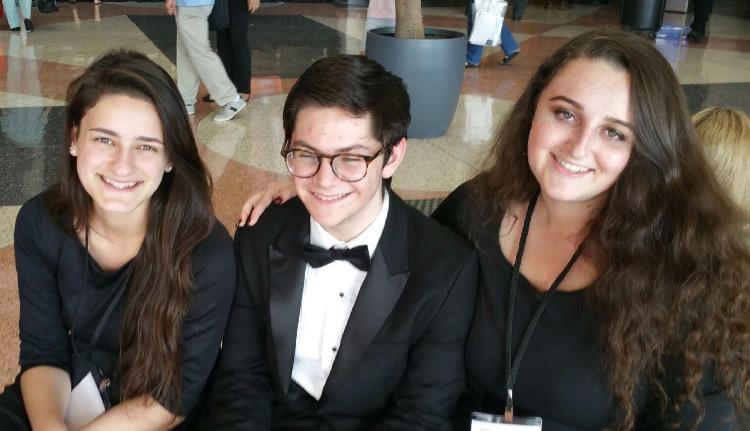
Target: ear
{"x": 73, "y": 150}
{"x": 398, "y": 152}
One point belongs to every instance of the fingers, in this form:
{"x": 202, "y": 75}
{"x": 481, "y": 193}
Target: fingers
{"x": 170, "y": 7}
{"x": 255, "y": 205}
{"x": 253, "y": 5}
{"x": 247, "y": 207}
{"x": 258, "y": 210}
{"x": 276, "y": 192}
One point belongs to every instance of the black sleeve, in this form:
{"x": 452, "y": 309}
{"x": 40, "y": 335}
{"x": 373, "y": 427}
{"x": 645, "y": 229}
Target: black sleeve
{"x": 43, "y": 332}
{"x": 453, "y": 211}
{"x": 214, "y": 273}
{"x": 240, "y": 396}
{"x": 717, "y": 409}
{"x": 436, "y": 377}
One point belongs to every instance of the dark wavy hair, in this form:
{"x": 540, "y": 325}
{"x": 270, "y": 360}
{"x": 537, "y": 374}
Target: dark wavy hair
{"x": 179, "y": 217}
{"x": 673, "y": 266}
{"x": 357, "y": 85}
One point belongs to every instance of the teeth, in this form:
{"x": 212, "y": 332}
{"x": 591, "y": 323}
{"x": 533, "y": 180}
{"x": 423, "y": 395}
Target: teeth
{"x": 571, "y": 167}
{"x": 330, "y": 198}
{"x": 119, "y": 185}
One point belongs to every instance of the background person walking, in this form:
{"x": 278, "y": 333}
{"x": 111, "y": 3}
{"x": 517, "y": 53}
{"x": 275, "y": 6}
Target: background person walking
{"x": 14, "y": 13}
{"x": 196, "y": 61}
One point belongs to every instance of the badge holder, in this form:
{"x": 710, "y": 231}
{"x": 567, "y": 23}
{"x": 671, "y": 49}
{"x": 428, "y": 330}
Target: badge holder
{"x": 488, "y": 422}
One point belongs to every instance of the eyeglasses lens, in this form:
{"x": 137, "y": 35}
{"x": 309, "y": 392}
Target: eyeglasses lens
{"x": 304, "y": 164}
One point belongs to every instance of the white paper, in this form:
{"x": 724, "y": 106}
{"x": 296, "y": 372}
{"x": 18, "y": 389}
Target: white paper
{"x": 477, "y": 425}
{"x": 85, "y": 404}
{"x": 497, "y": 7}
{"x": 486, "y": 30}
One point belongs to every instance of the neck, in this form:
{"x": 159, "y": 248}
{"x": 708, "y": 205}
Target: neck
{"x": 119, "y": 228}
{"x": 572, "y": 219}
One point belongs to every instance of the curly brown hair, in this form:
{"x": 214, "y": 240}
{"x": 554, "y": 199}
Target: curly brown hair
{"x": 671, "y": 257}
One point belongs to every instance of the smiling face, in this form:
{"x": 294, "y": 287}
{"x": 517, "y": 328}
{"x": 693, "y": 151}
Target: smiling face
{"x": 582, "y": 134}
{"x": 121, "y": 158}
{"x": 343, "y": 208}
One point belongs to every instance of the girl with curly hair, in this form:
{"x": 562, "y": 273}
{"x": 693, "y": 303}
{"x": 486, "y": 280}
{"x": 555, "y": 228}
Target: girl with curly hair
{"x": 599, "y": 209}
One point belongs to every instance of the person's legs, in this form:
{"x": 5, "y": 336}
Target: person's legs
{"x": 701, "y": 13}
{"x": 240, "y": 51}
{"x": 518, "y": 8}
{"x": 187, "y": 77}
{"x": 508, "y": 42}
{"x": 25, "y": 8}
{"x": 473, "y": 52}
{"x": 224, "y": 48}
{"x": 192, "y": 32}
{"x": 11, "y": 13}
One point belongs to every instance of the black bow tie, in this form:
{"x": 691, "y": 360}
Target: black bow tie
{"x": 358, "y": 256}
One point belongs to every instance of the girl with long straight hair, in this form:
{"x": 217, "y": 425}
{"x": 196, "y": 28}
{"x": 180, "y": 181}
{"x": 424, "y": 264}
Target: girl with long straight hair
{"x": 125, "y": 276}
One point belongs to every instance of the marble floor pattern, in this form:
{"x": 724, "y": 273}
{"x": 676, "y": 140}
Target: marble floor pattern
{"x": 242, "y": 155}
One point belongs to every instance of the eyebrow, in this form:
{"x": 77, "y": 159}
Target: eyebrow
{"x": 339, "y": 150}
{"x": 579, "y": 106}
{"x": 113, "y": 133}
{"x": 569, "y": 100}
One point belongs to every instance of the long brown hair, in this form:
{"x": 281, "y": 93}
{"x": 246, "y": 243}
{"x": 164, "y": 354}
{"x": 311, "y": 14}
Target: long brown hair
{"x": 179, "y": 217}
{"x": 673, "y": 266}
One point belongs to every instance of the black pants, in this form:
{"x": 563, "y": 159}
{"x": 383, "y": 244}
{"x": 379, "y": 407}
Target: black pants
{"x": 12, "y": 412}
{"x": 702, "y": 12}
{"x": 519, "y": 6}
{"x": 233, "y": 48}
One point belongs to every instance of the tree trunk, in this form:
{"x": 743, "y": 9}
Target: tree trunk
{"x": 409, "y": 19}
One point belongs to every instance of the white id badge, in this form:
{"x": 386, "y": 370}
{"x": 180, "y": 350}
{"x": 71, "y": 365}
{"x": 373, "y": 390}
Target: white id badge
{"x": 487, "y": 422}
{"x": 85, "y": 404}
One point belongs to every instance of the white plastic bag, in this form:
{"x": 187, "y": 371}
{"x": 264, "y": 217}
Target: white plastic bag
{"x": 488, "y": 22}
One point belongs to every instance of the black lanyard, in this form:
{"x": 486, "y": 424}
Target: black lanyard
{"x": 512, "y": 367}
{"x": 110, "y": 308}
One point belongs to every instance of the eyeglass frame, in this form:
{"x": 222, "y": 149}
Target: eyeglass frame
{"x": 368, "y": 159}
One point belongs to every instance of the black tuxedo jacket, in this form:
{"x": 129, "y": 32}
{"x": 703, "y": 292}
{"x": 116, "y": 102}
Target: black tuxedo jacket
{"x": 400, "y": 363}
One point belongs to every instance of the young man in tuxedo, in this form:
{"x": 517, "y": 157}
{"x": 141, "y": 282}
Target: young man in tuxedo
{"x": 351, "y": 308}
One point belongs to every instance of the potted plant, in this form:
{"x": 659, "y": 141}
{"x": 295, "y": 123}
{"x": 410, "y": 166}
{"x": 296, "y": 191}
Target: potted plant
{"x": 429, "y": 60}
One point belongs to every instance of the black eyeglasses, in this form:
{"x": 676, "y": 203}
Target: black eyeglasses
{"x": 347, "y": 167}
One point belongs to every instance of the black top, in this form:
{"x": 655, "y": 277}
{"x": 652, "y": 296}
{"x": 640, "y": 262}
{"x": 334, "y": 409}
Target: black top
{"x": 562, "y": 376}
{"x": 50, "y": 266}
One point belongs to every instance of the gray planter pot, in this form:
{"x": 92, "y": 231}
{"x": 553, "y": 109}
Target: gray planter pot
{"x": 432, "y": 69}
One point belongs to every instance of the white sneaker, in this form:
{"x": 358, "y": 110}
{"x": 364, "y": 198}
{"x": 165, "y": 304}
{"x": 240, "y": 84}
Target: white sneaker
{"x": 228, "y": 111}
{"x": 190, "y": 109}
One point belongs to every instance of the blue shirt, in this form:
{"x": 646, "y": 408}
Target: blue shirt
{"x": 190, "y": 3}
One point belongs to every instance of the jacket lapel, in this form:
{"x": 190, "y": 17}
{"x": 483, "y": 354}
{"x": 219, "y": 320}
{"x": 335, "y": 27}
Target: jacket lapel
{"x": 385, "y": 280}
{"x": 286, "y": 281}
